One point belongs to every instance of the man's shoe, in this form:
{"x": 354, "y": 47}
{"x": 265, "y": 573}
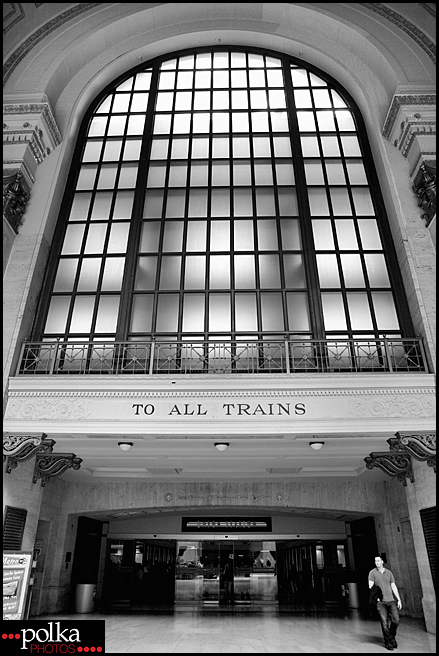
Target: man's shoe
{"x": 389, "y": 646}
{"x": 394, "y": 643}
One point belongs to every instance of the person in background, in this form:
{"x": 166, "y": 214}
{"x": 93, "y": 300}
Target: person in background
{"x": 387, "y": 607}
{"x": 228, "y": 579}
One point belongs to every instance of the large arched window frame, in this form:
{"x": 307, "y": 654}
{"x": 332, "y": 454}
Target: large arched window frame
{"x": 222, "y": 193}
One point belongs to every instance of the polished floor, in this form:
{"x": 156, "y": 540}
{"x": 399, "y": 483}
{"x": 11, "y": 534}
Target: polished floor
{"x": 245, "y": 631}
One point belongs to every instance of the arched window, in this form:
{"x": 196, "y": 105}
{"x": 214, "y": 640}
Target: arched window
{"x": 222, "y": 194}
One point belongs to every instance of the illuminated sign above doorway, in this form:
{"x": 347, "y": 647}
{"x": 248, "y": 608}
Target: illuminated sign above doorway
{"x": 241, "y": 524}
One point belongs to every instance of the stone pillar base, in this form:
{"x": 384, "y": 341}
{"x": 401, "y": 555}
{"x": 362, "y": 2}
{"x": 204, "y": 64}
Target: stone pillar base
{"x": 429, "y": 606}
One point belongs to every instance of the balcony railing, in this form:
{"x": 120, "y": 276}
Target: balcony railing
{"x": 222, "y": 357}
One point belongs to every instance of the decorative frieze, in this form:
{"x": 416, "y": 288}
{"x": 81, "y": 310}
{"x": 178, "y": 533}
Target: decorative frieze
{"x": 48, "y": 466}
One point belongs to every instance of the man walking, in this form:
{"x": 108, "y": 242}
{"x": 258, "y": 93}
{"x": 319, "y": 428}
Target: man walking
{"x": 387, "y": 607}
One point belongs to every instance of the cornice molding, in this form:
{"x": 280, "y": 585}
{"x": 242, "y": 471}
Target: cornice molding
{"x": 401, "y": 99}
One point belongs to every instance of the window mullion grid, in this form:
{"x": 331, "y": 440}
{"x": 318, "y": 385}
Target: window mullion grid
{"x": 305, "y": 220}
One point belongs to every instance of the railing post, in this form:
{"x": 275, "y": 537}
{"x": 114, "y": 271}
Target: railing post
{"x": 388, "y": 354}
{"x": 287, "y": 355}
{"x": 423, "y": 356}
{"x": 20, "y": 357}
{"x": 151, "y": 358}
{"x": 52, "y": 362}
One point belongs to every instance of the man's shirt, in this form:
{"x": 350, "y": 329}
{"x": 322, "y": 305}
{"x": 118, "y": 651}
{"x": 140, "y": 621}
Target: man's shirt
{"x": 383, "y": 580}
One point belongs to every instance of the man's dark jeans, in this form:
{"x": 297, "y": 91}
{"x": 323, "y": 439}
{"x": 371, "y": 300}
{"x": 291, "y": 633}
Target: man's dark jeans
{"x": 389, "y": 617}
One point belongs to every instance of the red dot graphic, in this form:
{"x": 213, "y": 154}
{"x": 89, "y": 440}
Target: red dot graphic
{"x": 79, "y": 648}
{"x": 4, "y": 635}
{"x": 17, "y": 636}
{"x": 85, "y": 648}
{"x": 99, "y": 649}
{"x": 92, "y": 648}
{"x": 11, "y": 635}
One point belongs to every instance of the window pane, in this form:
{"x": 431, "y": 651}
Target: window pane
{"x": 175, "y": 203}
{"x": 385, "y": 311}
{"x": 80, "y": 206}
{"x": 298, "y": 312}
{"x": 318, "y": 202}
{"x": 220, "y": 147}
{"x": 263, "y": 173}
{"x": 377, "y": 270}
{"x": 261, "y": 147}
{"x": 314, "y": 173}
{"x": 220, "y": 205}
{"x": 199, "y": 171}
{"x": 82, "y": 314}
{"x": 193, "y": 313}
{"x": 73, "y": 240}
{"x": 333, "y": 312}
{"x": 179, "y": 150}
{"x": 146, "y": 273}
{"x": 65, "y": 276}
{"x": 219, "y": 312}
{"x": 352, "y": 271}
{"x": 244, "y": 271}
{"x": 285, "y": 174}
{"x": 294, "y": 271}
{"x": 362, "y": 201}
{"x": 167, "y": 313}
{"x": 323, "y": 238}
{"x": 328, "y": 271}
{"x": 170, "y": 272}
{"x": 108, "y": 309}
{"x": 173, "y": 236}
{"x": 359, "y": 311}
{"x": 272, "y": 315}
{"x": 245, "y": 312}
{"x": 269, "y": 271}
{"x": 96, "y": 238}
{"x": 330, "y": 147}
{"x": 241, "y": 173}
{"x": 335, "y": 172}
{"x": 356, "y": 172}
{"x": 57, "y": 316}
{"x": 118, "y": 238}
{"x": 153, "y": 205}
{"x": 196, "y": 236}
{"x": 124, "y": 204}
{"x": 244, "y": 236}
{"x": 265, "y": 202}
{"x": 290, "y": 234}
{"x": 195, "y": 272}
{"x": 89, "y": 275}
{"x": 370, "y": 236}
{"x": 267, "y": 235}
{"x": 219, "y": 272}
{"x": 149, "y": 241}
{"x": 341, "y": 205}
{"x": 107, "y": 176}
{"x": 197, "y": 202}
{"x": 220, "y": 236}
{"x": 141, "y": 313}
{"x": 346, "y": 236}
{"x": 113, "y": 272}
{"x": 287, "y": 202}
{"x": 177, "y": 175}
{"x": 220, "y": 173}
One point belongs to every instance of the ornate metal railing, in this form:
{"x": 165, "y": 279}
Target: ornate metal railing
{"x": 222, "y": 357}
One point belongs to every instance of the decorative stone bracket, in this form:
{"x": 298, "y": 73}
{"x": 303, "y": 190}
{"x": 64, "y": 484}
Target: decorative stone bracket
{"x": 410, "y": 126}
{"x": 20, "y": 447}
{"x": 48, "y": 466}
{"x": 398, "y": 461}
{"x": 30, "y": 134}
{"x": 397, "y": 464}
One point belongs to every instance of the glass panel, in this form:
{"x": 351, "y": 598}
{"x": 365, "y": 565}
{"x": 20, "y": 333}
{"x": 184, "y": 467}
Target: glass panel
{"x": 193, "y": 313}
{"x": 220, "y": 173}
{"x": 356, "y": 172}
{"x": 345, "y": 120}
{"x": 323, "y": 238}
{"x": 180, "y": 149}
{"x": 333, "y": 312}
{"x": 140, "y": 102}
{"x": 220, "y": 236}
{"x": 96, "y": 238}
{"x": 287, "y": 201}
{"x": 116, "y": 125}
{"x": 73, "y": 240}
{"x": 330, "y": 147}
{"x": 346, "y": 236}
{"x": 267, "y": 235}
{"x": 196, "y": 236}
{"x": 167, "y": 313}
{"x": 306, "y": 122}
{"x": 351, "y": 147}
{"x": 244, "y": 271}
{"x": 352, "y": 271}
{"x": 177, "y": 175}
{"x": 197, "y": 202}
{"x": 57, "y": 316}
{"x": 245, "y": 312}
{"x": 153, "y": 204}
{"x": 328, "y": 271}
{"x": 272, "y": 315}
{"x": 219, "y": 312}
{"x": 291, "y": 239}
{"x": 220, "y": 202}
{"x": 175, "y": 203}
{"x": 118, "y": 238}
{"x": 269, "y": 271}
{"x": 199, "y": 172}
{"x": 79, "y": 211}
{"x": 241, "y": 173}
{"x": 359, "y": 311}
{"x": 195, "y": 273}
{"x": 89, "y": 276}
{"x": 146, "y": 273}
{"x": 149, "y": 241}
{"x": 136, "y": 125}
{"x": 318, "y": 202}
{"x": 113, "y": 272}
{"x": 341, "y": 205}
{"x": 385, "y": 311}
{"x": 362, "y": 201}
{"x": 107, "y": 314}
{"x": 314, "y": 173}
{"x": 141, "y": 313}
{"x": 279, "y": 121}
{"x": 241, "y": 147}
{"x": 92, "y": 151}
{"x": 335, "y": 172}
{"x": 124, "y": 204}
{"x": 102, "y": 205}
{"x": 263, "y": 173}
{"x": 261, "y": 147}
{"x": 65, "y": 276}
{"x": 302, "y": 99}
{"x": 370, "y": 236}
{"x": 265, "y": 202}
{"x": 244, "y": 236}
{"x": 325, "y": 120}
{"x": 260, "y": 121}
{"x": 294, "y": 271}
{"x": 298, "y": 312}
{"x": 173, "y": 236}
{"x": 82, "y": 314}
{"x": 377, "y": 270}
{"x": 321, "y": 98}
{"x": 107, "y": 176}
{"x": 220, "y": 147}
{"x": 310, "y": 146}
{"x": 170, "y": 272}
{"x": 285, "y": 173}
{"x": 219, "y": 272}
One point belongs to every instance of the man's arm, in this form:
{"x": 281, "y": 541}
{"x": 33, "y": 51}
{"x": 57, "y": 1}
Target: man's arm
{"x": 396, "y": 593}
{"x": 370, "y": 584}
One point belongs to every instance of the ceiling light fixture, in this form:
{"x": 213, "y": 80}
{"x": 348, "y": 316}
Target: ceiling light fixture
{"x": 221, "y": 446}
{"x": 316, "y": 445}
{"x": 125, "y": 446}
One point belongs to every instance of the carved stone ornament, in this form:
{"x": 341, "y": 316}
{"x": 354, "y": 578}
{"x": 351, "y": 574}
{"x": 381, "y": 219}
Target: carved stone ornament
{"x": 20, "y": 451}
{"x": 421, "y": 446}
{"x": 394, "y": 463}
{"x": 55, "y": 464}
{"x": 425, "y": 189}
{"x": 15, "y": 198}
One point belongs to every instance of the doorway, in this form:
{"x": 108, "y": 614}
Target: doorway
{"x": 220, "y": 572}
